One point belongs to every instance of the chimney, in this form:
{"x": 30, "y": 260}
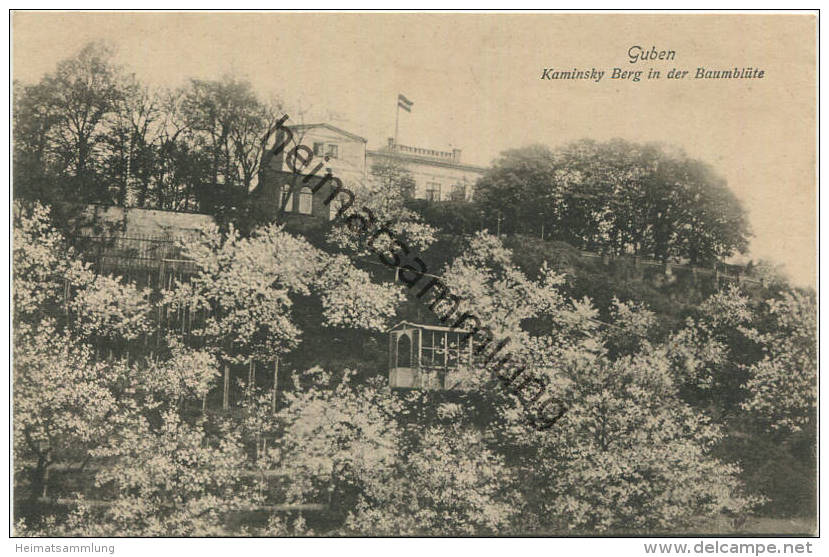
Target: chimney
{"x": 456, "y": 155}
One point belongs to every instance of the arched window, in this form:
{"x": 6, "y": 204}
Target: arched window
{"x": 306, "y": 198}
{"x": 404, "y": 351}
{"x": 286, "y": 192}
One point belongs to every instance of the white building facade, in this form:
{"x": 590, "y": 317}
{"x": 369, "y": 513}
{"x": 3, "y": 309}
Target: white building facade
{"x": 438, "y": 175}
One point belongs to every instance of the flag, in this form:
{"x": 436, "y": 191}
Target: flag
{"x": 404, "y": 103}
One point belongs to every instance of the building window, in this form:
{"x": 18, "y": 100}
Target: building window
{"x": 318, "y": 149}
{"x": 458, "y": 192}
{"x": 306, "y": 198}
{"x": 289, "y": 203}
{"x": 333, "y": 151}
{"x": 433, "y": 191}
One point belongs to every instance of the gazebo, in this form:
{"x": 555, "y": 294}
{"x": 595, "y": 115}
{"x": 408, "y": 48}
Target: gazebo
{"x": 423, "y": 356}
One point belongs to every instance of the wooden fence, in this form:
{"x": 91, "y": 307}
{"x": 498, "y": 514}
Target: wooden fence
{"x": 719, "y": 270}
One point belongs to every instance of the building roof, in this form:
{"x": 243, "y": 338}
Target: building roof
{"x": 424, "y": 160}
{"x": 429, "y": 327}
{"x": 330, "y": 127}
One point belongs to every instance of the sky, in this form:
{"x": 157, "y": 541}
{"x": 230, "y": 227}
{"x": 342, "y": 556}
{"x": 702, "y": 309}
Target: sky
{"x": 475, "y": 83}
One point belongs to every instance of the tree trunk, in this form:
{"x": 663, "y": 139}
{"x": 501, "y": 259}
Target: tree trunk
{"x": 275, "y": 384}
{"x": 226, "y": 396}
{"x": 39, "y": 476}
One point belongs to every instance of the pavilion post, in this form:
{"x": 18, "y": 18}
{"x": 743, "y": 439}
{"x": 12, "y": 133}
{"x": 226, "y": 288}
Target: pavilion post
{"x": 419, "y": 347}
{"x": 445, "y": 350}
{"x": 392, "y": 350}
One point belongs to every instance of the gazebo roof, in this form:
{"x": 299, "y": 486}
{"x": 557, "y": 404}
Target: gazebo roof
{"x": 428, "y": 327}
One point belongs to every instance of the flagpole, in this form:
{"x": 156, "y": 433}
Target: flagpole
{"x": 396, "y": 122}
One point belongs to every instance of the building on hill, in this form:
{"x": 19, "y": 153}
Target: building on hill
{"x": 308, "y": 153}
{"x": 438, "y": 175}
{"x": 342, "y": 153}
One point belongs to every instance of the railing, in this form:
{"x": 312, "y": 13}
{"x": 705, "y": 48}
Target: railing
{"x": 131, "y": 255}
{"x": 432, "y": 153}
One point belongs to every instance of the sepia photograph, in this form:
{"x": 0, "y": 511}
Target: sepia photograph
{"x": 414, "y": 274}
